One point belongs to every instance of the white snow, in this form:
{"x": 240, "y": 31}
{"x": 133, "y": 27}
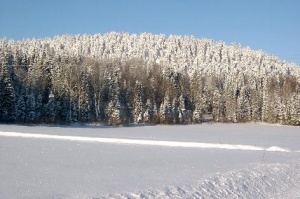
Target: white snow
{"x": 189, "y": 161}
{"x": 275, "y": 148}
{"x": 263, "y": 181}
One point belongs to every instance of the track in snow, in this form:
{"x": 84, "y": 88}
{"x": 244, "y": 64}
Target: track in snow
{"x": 146, "y": 142}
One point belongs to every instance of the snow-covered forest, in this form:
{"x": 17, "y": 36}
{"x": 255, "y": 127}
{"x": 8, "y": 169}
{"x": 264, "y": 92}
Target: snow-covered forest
{"x": 118, "y": 78}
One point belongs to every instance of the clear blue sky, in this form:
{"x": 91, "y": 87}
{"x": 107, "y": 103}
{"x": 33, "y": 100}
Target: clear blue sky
{"x": 270, "y": 25}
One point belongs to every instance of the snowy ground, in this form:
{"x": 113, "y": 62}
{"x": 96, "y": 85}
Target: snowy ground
{"x": 194, "y": 161}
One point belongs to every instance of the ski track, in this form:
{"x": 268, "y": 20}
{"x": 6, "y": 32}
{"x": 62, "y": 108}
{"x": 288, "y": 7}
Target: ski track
{"x": 146, "y": 142}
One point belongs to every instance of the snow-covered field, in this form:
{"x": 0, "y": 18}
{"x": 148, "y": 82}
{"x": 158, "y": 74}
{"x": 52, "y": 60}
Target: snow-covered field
{"x": 194, "y": 161}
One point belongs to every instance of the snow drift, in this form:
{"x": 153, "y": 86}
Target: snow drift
{"x": 263, "y": 181}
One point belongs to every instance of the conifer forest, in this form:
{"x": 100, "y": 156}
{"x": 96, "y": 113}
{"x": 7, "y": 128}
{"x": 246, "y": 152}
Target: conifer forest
{"x": 121, "y": 78}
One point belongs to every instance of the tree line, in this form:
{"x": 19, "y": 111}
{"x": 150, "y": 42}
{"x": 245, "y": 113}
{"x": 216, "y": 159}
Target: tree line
{"x": 227, "y": 84}
{"x": 115, "y": 92}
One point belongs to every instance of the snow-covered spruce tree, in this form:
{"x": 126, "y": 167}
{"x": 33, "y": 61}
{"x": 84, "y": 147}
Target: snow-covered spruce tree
{"x": 70, "y": 86}
{"x": 266, "y": 103}
{"x": 295, "y": 109}
{"x": 216, "y": 102}
{"x": 31, "y": 114}
{"x": 165, "y": 112}
{"x": 288, "y": 91}
{"x": 215, "y": 90}
{"x": 197, "y": 97}
{"x": 255, "y": 99}
{"x": 271, "y": 110}
{"x": 21, "y": 106}
{"x": 52, "y": 109}
{"x": 84, "y": 104}
{"x": 292, "y": 108}
{"x": 230, "y": 101}
{"x": 97, "y": 77}
{"x": 150, "y": 113}
{"x": 156, "y": 91}
{"x": 176, "y": 110}
{"x": 139, "y": 108}
{"x": 7, "y": 95}
{"x": 243, "y": 106}
{"x": 115, "y": 108}
{"x": 184, "y": 113}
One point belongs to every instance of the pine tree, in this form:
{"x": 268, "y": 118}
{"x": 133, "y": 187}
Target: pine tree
{"x": 115, "y": 108}
{"x": 84, "y": 99}
{"x": 149, "y": 112}
{"x": 230, "y": 101}
{"x": 21, "y": 106}
{"x": 175, "y": 110}
{"x": 139, "y": 108}
{"x": 165, "y": 111}
{"x": 52, "y": 109}
{"x": 7, "y": 95}
{"x": 217, "y": 105}
{"x": 183, "y": 112}
{"x": 266, "y": 106}
{"x": 295, "y": 107}
{"x": 31, "y": 108}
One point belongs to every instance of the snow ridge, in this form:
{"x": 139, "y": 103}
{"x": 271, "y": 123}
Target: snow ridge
{"x": 264, "y": 181}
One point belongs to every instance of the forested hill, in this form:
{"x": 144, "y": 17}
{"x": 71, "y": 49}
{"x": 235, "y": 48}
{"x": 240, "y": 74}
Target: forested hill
{"x": 119, "y": 78}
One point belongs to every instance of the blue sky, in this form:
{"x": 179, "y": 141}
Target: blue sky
{"x": 270, "y": 25}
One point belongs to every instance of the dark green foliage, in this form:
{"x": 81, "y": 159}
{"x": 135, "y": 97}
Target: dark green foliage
{"x": 7, "y": 95}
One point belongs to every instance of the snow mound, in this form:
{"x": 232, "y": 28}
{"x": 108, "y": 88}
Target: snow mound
{"x": 263, "y": 181}
{"x": 277, "y": 149}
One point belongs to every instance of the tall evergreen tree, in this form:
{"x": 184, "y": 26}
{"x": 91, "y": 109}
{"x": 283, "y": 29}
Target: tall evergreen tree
{"x": 7, "y": 95}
